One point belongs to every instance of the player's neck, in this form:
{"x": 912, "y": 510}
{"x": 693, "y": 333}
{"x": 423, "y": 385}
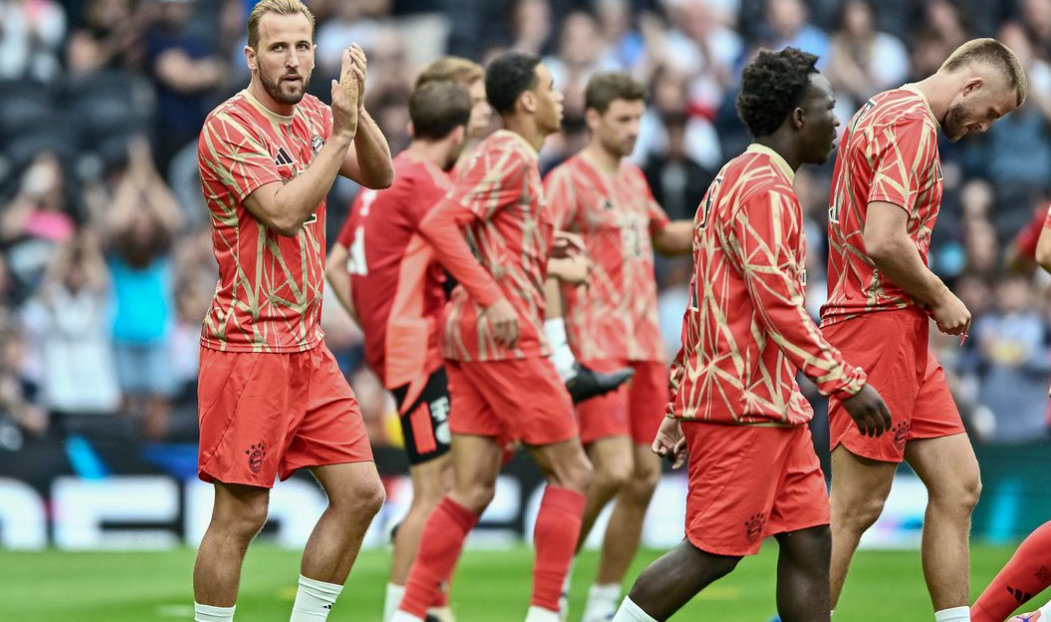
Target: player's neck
{"x": 255, "y": 87}
{"x": 432, "y": 151}
{"x": 602, "y": 159}
{"x": 939, "y": 91}
{"x": 526, "y": 128}
{"x": 782, "y": 145}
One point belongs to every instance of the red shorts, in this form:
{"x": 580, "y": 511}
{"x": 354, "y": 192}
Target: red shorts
{"x": 892, "y": 347}
{"x": 635, "y": 409}
{"x": 265, "y": 415}
{"x": 510, "y": 400}
{"x": 750, "y": 482}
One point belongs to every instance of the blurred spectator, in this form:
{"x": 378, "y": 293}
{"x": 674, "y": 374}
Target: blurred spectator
{"x": 530, "y": 22}
{"x": 20, "y": 412}
{"x": 108, "y": 40}
{"x": 787, "y": 25}
{"x": 352, "y": 22}
{"x": 668, "y": 94}
{"x": 140, "y": 229}
{"x": 186, "y": 70}
{"x": 582, "y": 51}
{"x": 1036, "y": 17}
{"x": 615, "y": 21}
{"x": 1014, "y": 344}
{"x": 37, "y": 219}
{"x": 69, "y": 320}
{"x": 862, "y": 61}
{"x": 678, "y": 182}
{"x": 31, "y": 35}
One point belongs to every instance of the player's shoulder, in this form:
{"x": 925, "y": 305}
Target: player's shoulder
{"x": 757, "y": 177}
{"x": 569, "y": 170}
{"x": 901, "y": 107}
{"x": 418, "y": 175}
{"x": 235, "y": 110}
{"x": 508, "y": 144}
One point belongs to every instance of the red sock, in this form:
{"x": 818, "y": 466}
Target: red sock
{"x": 440, "y": 545}
{"x": 555, "y": 539}
{"x": 1026, "y": 575}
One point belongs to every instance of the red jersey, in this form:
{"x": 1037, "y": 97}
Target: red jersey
{"x": 746, "y": 332}
{"x": 268, "y": 298}
{"x": 889, "y": 152}
{"x": 615, "y": 317}
{"x": 392, "y": 266}
{"x": 499, "y": 203}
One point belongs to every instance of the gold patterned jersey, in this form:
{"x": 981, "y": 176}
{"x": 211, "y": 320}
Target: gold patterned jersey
{"x": 268, "y": 298}
{"x": 746, "y": 333}
{"x": 615, "y": 316}
{"x": 510, "y": 235}
{"x": 889, "y": 153}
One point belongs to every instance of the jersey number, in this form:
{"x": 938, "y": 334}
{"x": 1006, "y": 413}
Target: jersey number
{"x": 356, "y": 262}
{"x": 709, "y": 200}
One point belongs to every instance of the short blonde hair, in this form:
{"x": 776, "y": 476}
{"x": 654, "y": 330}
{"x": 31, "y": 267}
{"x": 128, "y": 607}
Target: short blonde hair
{"x": 452, "y": 69}
{"x": 995, "y": 54}
{"x": 281, "y": 7}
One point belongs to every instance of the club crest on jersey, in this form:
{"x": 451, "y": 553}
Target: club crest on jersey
{"x": 316, "y": 143}
{"x": 282, "y": 158}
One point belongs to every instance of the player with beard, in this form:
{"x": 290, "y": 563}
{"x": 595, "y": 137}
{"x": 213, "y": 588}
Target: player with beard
{"x": 386, "y": 276}
{"x": 471, "y": 75}
{"x": 612, "y": 323}
{"x": 272, "y": 399}
{"x": 737, "y": 411}
{"x": 886, "y": 193}
{"x": 493, "y": 232}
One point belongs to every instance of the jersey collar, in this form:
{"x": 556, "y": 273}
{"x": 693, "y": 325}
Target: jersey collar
{"x": 521, "y": 139}
{"x": 776, "y": 157}
{"x": 280, "y": 119}
{"x": 927, "y": 104}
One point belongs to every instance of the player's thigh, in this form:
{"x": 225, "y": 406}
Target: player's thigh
{"x": 809, "y": 548}
{"x": 612, "y": 458}
{"x": 947, "y": 466}
{"x": 351, "y": 485}
{"x": 859, "y": 483}
{"x": 238, "y": 504}
{"x": 563, "y": 463}
{"x": 476, "y": 464}
{"x": 432, "y": 480}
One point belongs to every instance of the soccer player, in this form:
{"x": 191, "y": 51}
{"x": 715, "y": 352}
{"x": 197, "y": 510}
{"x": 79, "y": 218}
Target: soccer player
{"x": 612, "y": 323}
{"x": 494, "y": 234}
{"x": 272, "y": 399}
{"x": 387, "y": 278}
{"x": 472, "y": 76}
{"x": 737, "y": 409}
{"x": 886, "y": 193}
{"x": 1028, "y": 572}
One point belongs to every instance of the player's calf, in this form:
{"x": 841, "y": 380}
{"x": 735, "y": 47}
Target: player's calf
{"x": 671, "y": 581}
{"x": 802, "y": 575}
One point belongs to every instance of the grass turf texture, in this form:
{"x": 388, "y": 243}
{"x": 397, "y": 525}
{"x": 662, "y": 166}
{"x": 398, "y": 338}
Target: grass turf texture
{"x": 490, "y": 586}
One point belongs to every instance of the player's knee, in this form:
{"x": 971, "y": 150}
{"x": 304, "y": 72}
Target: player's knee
{"x": 611, "y": 477}
{"x": 960, "y": 497}
{"x": 644, "y": 480}
{"x": 858, "y": 514}
{"x": 477, "y": 497}
{"x": 363, "y": 500}
{"x": 244, "y": 523}
{"x": 578, "y": 475}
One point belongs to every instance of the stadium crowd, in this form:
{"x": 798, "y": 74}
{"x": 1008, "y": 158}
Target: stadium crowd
{"x": 106, "y": 267}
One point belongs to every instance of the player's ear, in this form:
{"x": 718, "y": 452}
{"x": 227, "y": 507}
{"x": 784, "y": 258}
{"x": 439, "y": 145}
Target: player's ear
{"x": 410, "y": 129}
{"x": 250, "y": 58}
{"x": 972, "y": 85}
{"x": 528, "y": 101}
{"x": 592, "y": 117}
{"x": 798, "y": 118}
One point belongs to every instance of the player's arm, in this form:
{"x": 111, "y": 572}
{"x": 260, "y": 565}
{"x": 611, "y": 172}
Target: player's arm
{"x": 675, "y": 238}
{"x": 1043, "y": 248}
{"x": 894, "y": 254}
{"x": 443, "y": 229}
{"x": 284, "y": 207}
{"x": 368, "y": 163}
{"x": 339, "y": 279}
{"x": 767, "y": 231}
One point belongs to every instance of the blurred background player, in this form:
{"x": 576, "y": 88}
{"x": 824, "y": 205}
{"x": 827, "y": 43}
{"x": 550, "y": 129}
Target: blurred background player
{"x": 504, "y": 386}
{"x": 272, "y": 399}
{"x": 385, "y": 275}
{"x": 886, "y": 194}
{"x": 753, "y": 471}
{"x": 1029, "y": 570}
{"x": 471, "y": 75}
{"x": 612, "y": 323}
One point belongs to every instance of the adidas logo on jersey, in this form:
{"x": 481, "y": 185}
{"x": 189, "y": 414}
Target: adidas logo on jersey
{"x": 282, "y": 158}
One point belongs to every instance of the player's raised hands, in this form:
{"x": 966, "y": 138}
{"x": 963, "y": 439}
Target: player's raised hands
{"x": 361, "y": 63}
{"x": 670, "y": 443}
{"x": 952, "y": 315}
{"x": 504, "y": 320}
{"x": 868, "y": 411}
{"x": 346, "y": 95}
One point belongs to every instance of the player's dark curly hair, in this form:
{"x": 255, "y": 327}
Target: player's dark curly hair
{"x": 508, "y": 76}
{"x": 772, "y": 85}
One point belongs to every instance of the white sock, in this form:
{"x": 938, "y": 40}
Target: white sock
{"x": 404, "y": 616}
{"x": 207, "y": 613}
{"x": 390, "y": 605}
{"x": 442, "y": 614}
{"x": 956, "y": 614}
{"x": 602, "y": 601}
{"x": 539, "y": 614}
{"x": 561, "y": 355}
{"x": 630, "y": 612}
{"x": 1046, "y": 609}
{"x": 831, "y": 613}
{"x": 314, "y": 600}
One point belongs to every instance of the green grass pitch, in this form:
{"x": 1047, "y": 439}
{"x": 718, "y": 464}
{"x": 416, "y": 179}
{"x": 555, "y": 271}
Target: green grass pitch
{"x": 489, "y": 587}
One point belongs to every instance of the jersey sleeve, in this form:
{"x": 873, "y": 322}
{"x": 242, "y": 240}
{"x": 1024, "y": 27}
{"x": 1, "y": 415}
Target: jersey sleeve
{"x": 233, "y": 153}
{"x": 767, "y": 231}
{"x": 561, "y": 194}
{"x": 426, "y": 194}
{"x": 901, "y": 151}
{"x": 494, "y": 180}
